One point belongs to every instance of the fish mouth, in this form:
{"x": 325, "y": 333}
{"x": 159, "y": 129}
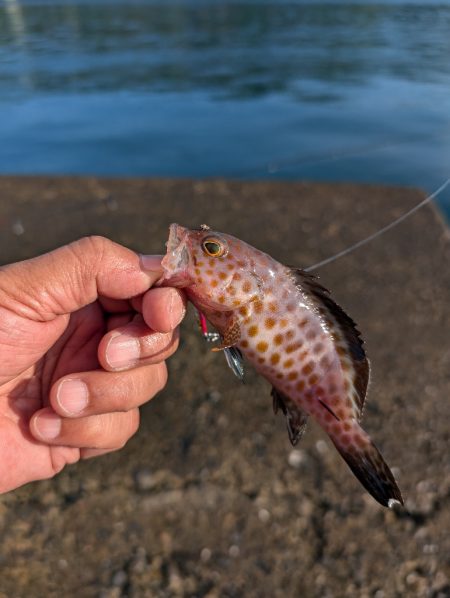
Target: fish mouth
{"x": 175, "y": 263}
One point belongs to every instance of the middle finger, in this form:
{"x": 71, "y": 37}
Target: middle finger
{"x": 135, "y": 344}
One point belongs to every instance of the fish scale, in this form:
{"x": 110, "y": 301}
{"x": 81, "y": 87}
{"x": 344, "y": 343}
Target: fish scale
{"x": 292, "y": 332}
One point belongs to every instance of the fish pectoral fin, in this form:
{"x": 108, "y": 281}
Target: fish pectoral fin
{"x": 230, "y": 336}
{"x": 235, "y": 361}
{"x": 296, "y": 418}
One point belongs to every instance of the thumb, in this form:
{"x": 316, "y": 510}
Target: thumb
{"x": 67, "y": 279}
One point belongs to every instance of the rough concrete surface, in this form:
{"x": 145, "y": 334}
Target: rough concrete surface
{"x": 209, "y": 499}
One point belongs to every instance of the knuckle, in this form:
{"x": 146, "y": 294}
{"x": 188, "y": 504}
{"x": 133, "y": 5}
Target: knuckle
{"x": 132, "y": 424}
{"x": 91, "y": 245}
{"x": 125, "y": 391}
{"x": 160, "y": 376}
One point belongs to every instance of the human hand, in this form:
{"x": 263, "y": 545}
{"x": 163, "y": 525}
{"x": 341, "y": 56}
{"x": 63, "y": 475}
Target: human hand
{"x": 82, "y": 345}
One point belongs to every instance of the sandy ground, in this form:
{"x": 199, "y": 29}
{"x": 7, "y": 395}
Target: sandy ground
{"x": 209, "y": 499}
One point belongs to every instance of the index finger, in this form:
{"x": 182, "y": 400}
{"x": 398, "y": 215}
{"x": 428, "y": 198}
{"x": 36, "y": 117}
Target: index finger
{"x": 71, "y": 277}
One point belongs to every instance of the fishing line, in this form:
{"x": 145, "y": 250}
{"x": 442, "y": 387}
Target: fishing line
{"x": 381, "y": 231}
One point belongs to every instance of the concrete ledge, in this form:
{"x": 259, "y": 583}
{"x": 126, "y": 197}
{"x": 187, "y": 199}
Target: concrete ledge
{"x": 209, "y": 499}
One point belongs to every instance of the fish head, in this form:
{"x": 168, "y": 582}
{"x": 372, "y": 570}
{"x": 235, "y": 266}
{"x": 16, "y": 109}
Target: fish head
{"x": 216, "y": 269}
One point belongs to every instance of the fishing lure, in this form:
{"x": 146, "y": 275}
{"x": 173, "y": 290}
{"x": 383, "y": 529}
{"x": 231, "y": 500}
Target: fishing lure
{"x": 287, "y": 325}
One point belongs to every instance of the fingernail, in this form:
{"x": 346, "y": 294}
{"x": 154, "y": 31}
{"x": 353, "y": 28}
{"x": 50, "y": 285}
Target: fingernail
{"x": 151, "y": 263}
{"x": 72, "y": 396}
{"x": 122, "y": 352}
{"x": 175, "y": 314}
{"x": 48, "y": 425}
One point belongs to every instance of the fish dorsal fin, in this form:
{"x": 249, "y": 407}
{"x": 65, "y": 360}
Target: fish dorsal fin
{"x": 347, "y": 327}
{"x": 296, "y": 418}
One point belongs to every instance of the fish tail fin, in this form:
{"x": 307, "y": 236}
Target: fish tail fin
{"x": 368, "y": 465}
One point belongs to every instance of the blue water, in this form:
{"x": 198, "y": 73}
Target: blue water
{"x": 331, "y": 91}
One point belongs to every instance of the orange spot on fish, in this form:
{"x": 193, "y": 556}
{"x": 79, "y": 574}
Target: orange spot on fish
{"x": 291, "y": 307}
{"x": 200, "y": 264}
{"x": 258, "y": 307}
{"x": 275, "y": 358}
{"x": 336, "y": 429}
{"x": 261, "y": 360}
{"x": 313, "y": 379}
{"x": 197, "y": 271}
{"x": 212, "y": 262}
{"x": 213, "y": 283}
{"x": 325, "y": 362}
{"x": 236, "y": 302}
{"x": 269, "y": 323}
{"x": 288, "y": 363}
{"x": 222, "y": 275}
{"x": 243, "y": 311}
{"x": 253, "y": 331}
{"x": 300, "y": 385}
{"x": 293, "y": 347}
{"x": 273, "y": 306}
{"x": 221, "y": 299}
{"x": 237, "y": 276}
{"x": 283, "y": 323}
{"x": 292, "y": 375}
{"x": 303, "y": 323}
{"x": 244, "y": 344}
{"x": 262, "y": 346}
{"x": 241, "y": 264}
{"x": 278, "y": 339}
{"x": 209, "y": 272}
{"x": 308, "y": 368}
{"x": 290, "y": 334}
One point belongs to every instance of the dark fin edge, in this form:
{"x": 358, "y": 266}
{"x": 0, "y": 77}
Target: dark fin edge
{"x": 370, "y": 468}
{"x": 296, "y": 419}
{"x": 348, "y": 327}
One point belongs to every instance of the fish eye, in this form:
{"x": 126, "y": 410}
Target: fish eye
{"x": 213, "y": 247}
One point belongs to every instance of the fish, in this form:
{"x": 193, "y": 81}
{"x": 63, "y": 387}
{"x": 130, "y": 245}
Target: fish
{"x": 285, "y": 323}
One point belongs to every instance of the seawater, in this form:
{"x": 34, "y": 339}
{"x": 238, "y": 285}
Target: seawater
{"x": 356, "y": 91}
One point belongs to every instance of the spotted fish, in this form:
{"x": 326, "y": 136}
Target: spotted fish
{"x": 286, "y": 324}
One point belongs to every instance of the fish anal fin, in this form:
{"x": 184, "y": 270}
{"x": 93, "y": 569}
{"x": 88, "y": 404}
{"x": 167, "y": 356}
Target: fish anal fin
{"x": 346, "y": 326}
{"x": 296, "y": 418}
